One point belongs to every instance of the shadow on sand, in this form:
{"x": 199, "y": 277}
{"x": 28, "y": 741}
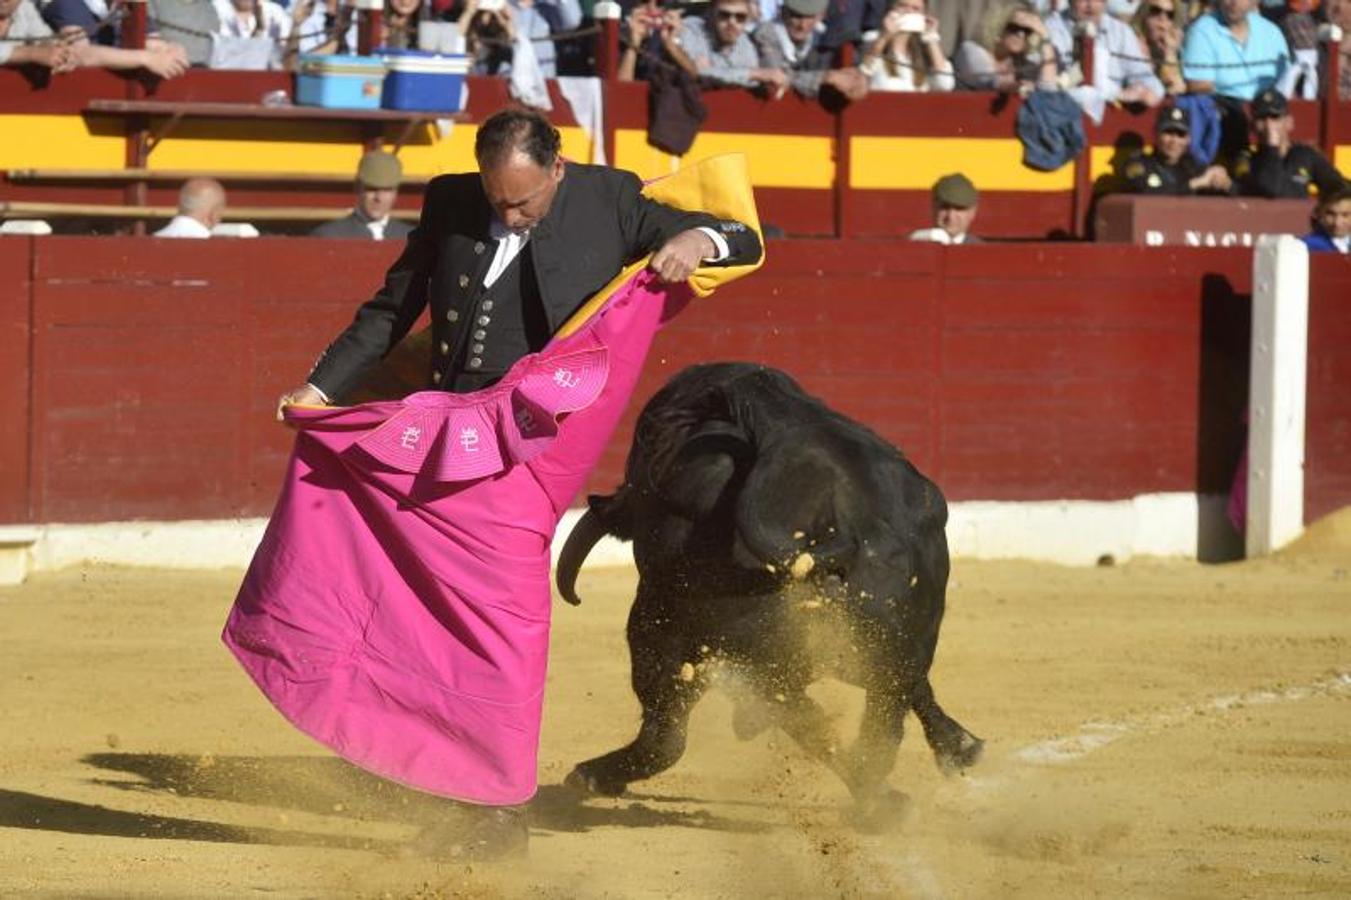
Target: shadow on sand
{"x": 319, "y": 785}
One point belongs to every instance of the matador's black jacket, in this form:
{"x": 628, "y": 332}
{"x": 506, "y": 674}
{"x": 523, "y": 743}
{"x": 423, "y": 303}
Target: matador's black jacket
{"x": 598, "y": 223}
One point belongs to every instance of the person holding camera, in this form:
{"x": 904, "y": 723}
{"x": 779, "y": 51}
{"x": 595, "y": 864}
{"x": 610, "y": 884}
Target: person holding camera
{"x": 792, "y": 44}
{"x": 907, "y": 56}
{"x": 491, "y": 27}
{"x": 650, "y": 32}
{"x": 1013, "y": 57}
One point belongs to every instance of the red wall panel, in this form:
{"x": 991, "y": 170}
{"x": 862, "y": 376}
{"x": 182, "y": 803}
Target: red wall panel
{"x": 1327, "y": 452}
{"x": 1013, "y": 372}
{"x": 16, "y": 311}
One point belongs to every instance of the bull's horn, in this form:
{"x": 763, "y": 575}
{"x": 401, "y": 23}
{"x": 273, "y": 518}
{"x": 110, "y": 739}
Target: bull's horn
{"x": 583, "y": 537}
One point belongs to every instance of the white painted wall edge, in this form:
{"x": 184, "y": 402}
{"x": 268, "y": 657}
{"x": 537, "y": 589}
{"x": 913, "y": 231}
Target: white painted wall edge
{"x": 1278, "y": 366}
{"x": 1071, "y": 532}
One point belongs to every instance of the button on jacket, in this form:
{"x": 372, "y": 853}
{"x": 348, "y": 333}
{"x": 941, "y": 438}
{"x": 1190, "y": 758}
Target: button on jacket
{"x": 598, "y": 223}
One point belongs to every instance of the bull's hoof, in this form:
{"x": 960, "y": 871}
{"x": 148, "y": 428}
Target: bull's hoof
{"x": 878, "y": 814}
{"x": 960, "y": 755}
{"x": 588, "y": 782}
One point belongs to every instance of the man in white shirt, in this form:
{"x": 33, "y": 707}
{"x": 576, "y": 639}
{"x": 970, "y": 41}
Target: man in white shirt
{"x": 377, "y": 187}
{"x": 201, "y": 206}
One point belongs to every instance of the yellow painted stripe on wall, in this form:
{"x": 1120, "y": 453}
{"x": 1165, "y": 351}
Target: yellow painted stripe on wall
{"x": 32, "y": 142}
{"x": 911, "y": 163}
{"x": 775, "y": 160}
{"x": 1341, "y": 157}
{"x": 40, "y": 141}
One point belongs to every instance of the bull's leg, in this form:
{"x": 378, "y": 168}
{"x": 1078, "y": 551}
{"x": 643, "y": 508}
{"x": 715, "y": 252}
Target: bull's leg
{"x": 867, "y": 764}
{"x": 953, "y": 746}
{"x": 667, "y": 690}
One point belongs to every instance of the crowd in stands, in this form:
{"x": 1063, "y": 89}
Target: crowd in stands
{"x": 1146, "y": 50}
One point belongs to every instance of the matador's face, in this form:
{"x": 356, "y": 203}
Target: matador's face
{"x": 521, "y": 191}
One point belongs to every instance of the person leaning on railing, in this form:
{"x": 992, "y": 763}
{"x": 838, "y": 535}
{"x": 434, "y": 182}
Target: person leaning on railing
{"x": 27, "y": 37}
{"x": 719, "y": 52}
{"x": 1014, "y": 56}
{"x": 791, "y": 43}
{"x": 907, "y": 55}
{"x": 25, "y": 40}
{"x": 1156, "y": 23}
{"x": 76, "y": 24}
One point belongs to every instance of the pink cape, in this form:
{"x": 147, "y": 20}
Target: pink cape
{"x": 397, "y": 609}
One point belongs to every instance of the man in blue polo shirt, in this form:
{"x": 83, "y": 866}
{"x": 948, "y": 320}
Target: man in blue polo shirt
{"x": 1233, "y": 52}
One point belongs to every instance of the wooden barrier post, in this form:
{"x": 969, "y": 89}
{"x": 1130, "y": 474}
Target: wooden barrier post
{"x": 607, "y": 15}
{"x": 1086, "y": 49}
{"x": 134, "y": 27}
{"x": 370, "y": 25}
{"x": 1279, "y": 358}
{"x": 1327, "y": 109}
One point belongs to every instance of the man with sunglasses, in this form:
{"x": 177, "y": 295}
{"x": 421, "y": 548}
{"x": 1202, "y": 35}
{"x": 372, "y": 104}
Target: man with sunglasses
{"x": 1170, "y": 168}
{"x": 1278, "y": 167}
{"x": 792, "y": 44}
{"x": 718, "y": 50}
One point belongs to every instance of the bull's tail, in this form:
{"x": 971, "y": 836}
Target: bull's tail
{"x": 589, "y": 529}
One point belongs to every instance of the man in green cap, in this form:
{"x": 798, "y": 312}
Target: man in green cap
{"x": 378, "y": 177}
{"x": 954, "y": 209}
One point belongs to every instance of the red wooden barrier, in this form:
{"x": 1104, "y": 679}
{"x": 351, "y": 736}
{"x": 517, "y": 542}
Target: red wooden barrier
{"x": 15, "y": 368}
{"x": 1327, "y": 475}
{"x": 1008, "y": 372}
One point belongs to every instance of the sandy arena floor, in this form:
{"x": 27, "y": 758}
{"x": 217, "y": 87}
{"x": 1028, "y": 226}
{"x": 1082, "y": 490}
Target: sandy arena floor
{"x": 1158, "y": 729}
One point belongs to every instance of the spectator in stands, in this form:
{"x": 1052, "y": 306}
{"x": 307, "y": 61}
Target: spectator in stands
{"x": 377, "y": 187}
{"x": 907, "y": 55}
{"x": 25, "y": 40}
{"x": 960, "y": 21}
{"x": 253, "y": 18}
{"x": 1300, "y": 29}
{"x": 848, "y": 20}
{"x": 201, "y": 206}
{"x": 1339, "y": 14}
{"x": 189, "y": 23}
{"x": 1233, "y": 52}
{"x": 954, "y": 210}
{"x": 1170, "y": 169}
{"x": 400, "y": 24}
{"x": 78, "y": 26}
{"x": 720, "y": 52}
{"x": 1279, "y": 167}
{"x": 1156, "y": 24}
{"x": 1014, "y": 55}
{"x": 538, "y": 19}
{"x": 322, "y": 26}
{"x": 74, "y": 23}
{"x": 1122, "y": 73}
{"x": 1331, "y": 224}
{"x": 791, "y": 43}
{"x": 648, "y": 34}
{"x": 489, "y": 34}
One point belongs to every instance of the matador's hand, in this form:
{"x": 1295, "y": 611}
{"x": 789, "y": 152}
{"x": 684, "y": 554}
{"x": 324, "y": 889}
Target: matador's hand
{"x": 305, "y": 395}
{"x": 681, "y": 255}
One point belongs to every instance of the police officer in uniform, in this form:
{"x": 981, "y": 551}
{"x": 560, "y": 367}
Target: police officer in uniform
{"x": 1279, "y": 167}
{"x": 1170, "y": 169}
{"x": 506, "y": 255}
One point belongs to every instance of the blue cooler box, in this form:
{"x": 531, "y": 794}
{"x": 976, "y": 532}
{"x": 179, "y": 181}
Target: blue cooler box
{"x": 427, "y": 82}
{"x": 339, "y": 81}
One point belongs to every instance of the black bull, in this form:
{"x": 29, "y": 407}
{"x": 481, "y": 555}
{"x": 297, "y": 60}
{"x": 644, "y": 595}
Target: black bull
{"x": 741, "y": 492}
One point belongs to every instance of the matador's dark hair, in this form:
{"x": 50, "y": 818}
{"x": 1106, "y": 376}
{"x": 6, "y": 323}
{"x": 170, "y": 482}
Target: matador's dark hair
{"x": 511, "y": 130}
